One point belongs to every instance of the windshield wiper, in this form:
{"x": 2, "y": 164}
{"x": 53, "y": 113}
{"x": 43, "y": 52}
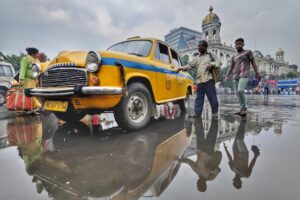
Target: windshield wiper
{"x": 136, "y": 54}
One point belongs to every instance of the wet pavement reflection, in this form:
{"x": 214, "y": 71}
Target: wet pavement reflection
{"x": 256, "y": 157}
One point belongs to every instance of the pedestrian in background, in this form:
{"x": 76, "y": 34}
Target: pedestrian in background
{"x": 204, "y": 63}
{"x": 240, "y": 63}
{"x": 42, "y": 57}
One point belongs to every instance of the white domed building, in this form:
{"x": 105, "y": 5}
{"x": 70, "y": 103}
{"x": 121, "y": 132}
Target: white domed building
{"x": 211, "y": 29}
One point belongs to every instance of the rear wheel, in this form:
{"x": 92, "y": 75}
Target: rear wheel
{"x": 2, "y": 97}
{"x": 135, "y": 109}
{"x": 71, "y": 115}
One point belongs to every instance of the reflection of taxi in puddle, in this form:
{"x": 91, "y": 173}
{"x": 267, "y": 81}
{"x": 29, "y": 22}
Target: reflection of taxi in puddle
{"x": 122, "y": 166}
{"x": 130, "y": 78}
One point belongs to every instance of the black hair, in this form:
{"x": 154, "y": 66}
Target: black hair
{"x": 239, "y": 40}
{"x": 32, "y": 51}
{"x": 203, "y": 42}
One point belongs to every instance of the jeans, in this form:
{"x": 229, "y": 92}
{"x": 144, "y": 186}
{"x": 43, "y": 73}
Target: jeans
{"x": 240, "y": 86}
{"x": 209, "y": 89}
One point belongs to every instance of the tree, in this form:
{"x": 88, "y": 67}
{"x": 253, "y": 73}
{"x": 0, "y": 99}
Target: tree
{"x": 292, "y": 75}
{"x": 13, "y": 59}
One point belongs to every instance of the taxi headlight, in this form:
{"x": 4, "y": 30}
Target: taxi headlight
{"x": 93, "y": 60}
{"x": 36, "y": 69}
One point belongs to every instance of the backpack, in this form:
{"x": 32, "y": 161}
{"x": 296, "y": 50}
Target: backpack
{"x": 216, "y": 71}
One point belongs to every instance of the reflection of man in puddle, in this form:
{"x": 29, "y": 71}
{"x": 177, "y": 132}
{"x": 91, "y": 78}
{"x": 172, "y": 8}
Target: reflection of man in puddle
{"x": 239, "y": 162}
{"x": 208, "y": 160}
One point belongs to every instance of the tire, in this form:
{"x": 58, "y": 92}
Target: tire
{"x": 2, "y": 97}
{"x": 135, "y": 109}
{"x": 183, "y": 104}
{"x": 71, "y": 115}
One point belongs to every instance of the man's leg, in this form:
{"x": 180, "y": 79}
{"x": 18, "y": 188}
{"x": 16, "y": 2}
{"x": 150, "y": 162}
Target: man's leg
{"x": 212, "y": 96}
{"x": 236, "y": 85}
{"x": 199, "y": 102}
{"x": 243, "y": 82}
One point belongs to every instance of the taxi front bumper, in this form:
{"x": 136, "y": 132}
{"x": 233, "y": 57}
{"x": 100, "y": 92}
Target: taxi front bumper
{"x": 70, "y": 91}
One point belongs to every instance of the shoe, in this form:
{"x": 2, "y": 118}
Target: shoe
{"x": 196, "y": 116}
{"x": 242, "y": 113}
{"x": 215, "y": 116}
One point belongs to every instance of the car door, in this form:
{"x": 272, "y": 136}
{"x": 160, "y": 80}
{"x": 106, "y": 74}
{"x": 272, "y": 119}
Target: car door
{"x": 166, "y": 74}
{"x": 180, "y": 77}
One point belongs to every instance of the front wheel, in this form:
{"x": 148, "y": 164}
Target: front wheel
{"x": 135, "y": 109}
{"x": 71, "y": 115}
{"x": 2, "y": 97}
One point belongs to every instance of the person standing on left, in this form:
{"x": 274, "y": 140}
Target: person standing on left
{"x": 26, "y": 79}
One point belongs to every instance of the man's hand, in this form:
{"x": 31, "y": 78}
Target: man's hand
{"x": 226, "y": 78}
{"x": 255, "y": 150}
{"x": 257, "y": 76}
{"x": 178, "y": 70}
{"x": 209, "y": 67}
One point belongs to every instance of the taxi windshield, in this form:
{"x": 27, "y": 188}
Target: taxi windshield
{"x": 136, "y": 47}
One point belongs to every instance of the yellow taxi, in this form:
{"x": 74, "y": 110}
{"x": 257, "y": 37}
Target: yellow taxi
{"x": 129, "y": 78}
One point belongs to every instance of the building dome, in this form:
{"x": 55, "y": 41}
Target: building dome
{"x": 211, "y": 18}
{"x": 258, "y": 54}
{"x": 280, "y": 51}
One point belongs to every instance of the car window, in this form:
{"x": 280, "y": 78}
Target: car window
{"x": 2, "y": 71}
{"x": 175, "y": 59}
{"x": 136, "y": 47}
{"x": 163, "y": 53}
{"x": 7, "y": 71}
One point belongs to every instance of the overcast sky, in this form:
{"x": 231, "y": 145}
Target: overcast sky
{"x": 56, "y": 25}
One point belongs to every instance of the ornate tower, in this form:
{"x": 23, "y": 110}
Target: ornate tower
{"x": 211, "y": 27}
{"x": 280, "y": 55}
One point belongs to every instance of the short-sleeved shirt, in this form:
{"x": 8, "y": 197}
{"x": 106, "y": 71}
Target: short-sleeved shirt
{"x": 241, "y": 64}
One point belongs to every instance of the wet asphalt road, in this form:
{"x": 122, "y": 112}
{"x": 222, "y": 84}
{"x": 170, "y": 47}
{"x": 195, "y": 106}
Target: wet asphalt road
{"x": 256, "y": 157}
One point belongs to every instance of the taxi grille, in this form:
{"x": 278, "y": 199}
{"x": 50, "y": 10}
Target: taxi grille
{"x": 63, "y": 77}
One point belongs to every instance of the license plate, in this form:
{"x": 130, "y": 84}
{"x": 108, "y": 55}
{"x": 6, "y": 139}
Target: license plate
{"x": 59, "y": 106}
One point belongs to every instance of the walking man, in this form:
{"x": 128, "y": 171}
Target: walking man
{"x": 204, "y": 63}
{"x": 240, "y": 63}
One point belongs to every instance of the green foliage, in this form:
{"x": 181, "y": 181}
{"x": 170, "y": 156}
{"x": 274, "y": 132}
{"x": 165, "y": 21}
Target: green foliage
{"x": 292, "y": 75}
{"x": 13, "y": 59}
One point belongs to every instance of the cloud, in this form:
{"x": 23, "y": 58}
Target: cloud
{"x": 58, "y": 25}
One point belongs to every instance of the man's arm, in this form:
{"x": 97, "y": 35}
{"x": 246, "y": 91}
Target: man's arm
{"x": 227, "y": 153}
{"x": 189, "y": 66}
{"x": 229, "y": 69}
{"x": 255, "y": 68}
{"x": 215, "y": 63}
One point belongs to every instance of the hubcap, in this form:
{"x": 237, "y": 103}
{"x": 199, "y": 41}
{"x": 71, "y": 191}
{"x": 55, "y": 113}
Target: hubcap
{"x": 2, "y": 99}
{"x": 137, "y": 107}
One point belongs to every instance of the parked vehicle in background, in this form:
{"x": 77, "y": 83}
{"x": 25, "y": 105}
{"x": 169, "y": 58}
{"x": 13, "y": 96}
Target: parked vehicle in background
{"x": 6, "y": 77}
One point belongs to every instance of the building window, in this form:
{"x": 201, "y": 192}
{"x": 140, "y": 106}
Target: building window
{"x": 214, "y": 33}
{"x": 185, "y": 59}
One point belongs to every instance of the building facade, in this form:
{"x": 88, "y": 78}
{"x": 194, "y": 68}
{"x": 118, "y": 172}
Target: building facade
{"x": 211, "y": 32}
{"x": 182, "y": 38}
